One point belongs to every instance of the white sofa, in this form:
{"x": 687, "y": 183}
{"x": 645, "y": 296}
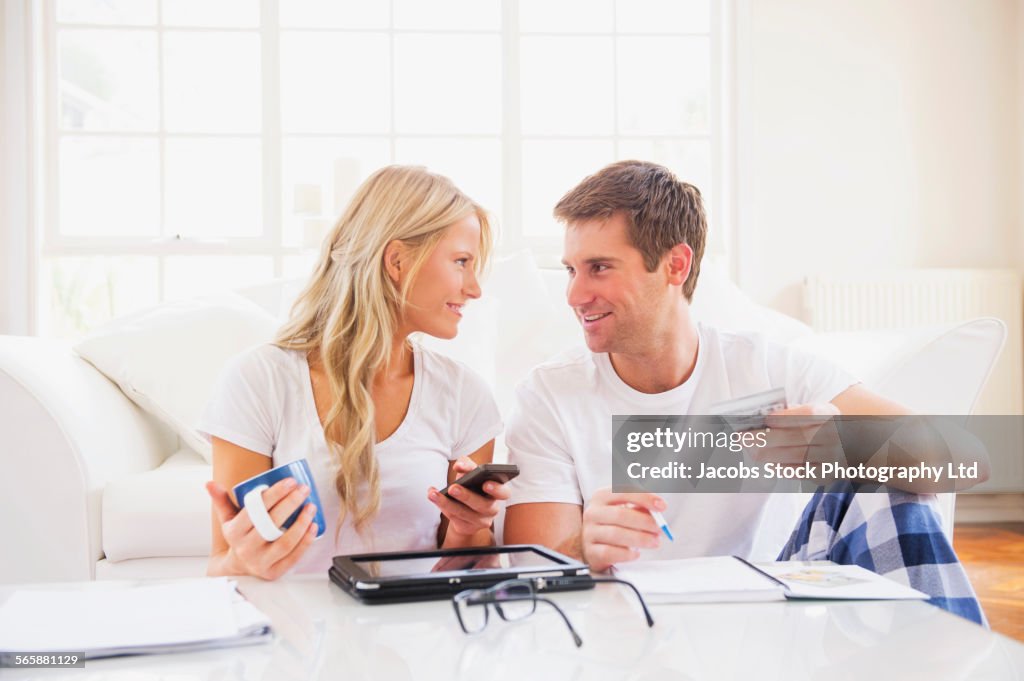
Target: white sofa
{"x": 96, "y": 487}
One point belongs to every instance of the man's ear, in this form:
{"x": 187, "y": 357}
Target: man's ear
{"x": 679, "y": 261}
{"x": 395, "y": 259}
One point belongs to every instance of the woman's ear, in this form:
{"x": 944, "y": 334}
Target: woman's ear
{"x": 394, "y": 260}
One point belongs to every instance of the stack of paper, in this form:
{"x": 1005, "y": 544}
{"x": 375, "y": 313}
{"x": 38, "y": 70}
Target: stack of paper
{"x": 107, "y": 620}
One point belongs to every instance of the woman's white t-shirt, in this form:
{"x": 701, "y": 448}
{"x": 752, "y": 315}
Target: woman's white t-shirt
{"x": 264, "y": 402}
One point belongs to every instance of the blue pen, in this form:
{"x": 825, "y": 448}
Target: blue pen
{"x": 660, "y": 519}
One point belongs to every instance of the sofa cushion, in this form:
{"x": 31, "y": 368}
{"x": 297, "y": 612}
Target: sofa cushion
{"x": 167, "y": 358}
{"x": 177, "y": 567}
{"x": 719, "y": 302}
{"x": 162, "y": 512}
{"x": 931, "y": 369}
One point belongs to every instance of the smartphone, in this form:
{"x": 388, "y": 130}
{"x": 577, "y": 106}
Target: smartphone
{"x": 475, "y": 479}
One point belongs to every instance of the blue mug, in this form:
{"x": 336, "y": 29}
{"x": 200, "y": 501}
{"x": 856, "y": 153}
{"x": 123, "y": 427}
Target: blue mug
{"x": 253, "y": 489}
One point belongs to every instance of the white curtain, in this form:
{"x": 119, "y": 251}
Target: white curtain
{"x": 17, "y": 243}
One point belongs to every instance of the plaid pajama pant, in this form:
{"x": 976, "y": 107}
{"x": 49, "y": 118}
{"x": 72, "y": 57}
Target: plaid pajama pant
{"x": 896, "y": 534}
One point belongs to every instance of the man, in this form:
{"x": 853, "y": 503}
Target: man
{"x": 634, "y": 240}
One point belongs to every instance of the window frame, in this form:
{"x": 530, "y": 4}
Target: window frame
{"x": 49, "y": 243}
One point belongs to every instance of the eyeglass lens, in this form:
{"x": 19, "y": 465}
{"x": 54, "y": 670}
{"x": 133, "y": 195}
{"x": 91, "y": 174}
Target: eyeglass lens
{"x": 514, "y": 600}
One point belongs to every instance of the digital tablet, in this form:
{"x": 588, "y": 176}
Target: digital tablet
{"x": 402, "y": 576}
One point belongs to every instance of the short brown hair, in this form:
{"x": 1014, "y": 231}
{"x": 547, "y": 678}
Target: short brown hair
{"x": 661, "y": 211}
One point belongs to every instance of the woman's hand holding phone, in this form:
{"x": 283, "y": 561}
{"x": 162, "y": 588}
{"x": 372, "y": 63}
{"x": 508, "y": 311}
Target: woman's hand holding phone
{"x": 249, "y": 553}
{"x": 467, "y": 511}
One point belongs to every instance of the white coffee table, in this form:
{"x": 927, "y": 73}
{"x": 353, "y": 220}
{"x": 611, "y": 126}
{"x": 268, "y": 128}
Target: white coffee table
{"x": 322, "y": 633}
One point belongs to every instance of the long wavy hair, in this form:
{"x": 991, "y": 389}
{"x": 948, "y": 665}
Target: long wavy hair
{"x": 349, "y": 312}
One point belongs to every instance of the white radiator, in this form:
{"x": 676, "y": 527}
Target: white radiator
{"x": 911, "y": 298}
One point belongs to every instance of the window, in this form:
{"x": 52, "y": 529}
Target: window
{"x": 194, "y": 145}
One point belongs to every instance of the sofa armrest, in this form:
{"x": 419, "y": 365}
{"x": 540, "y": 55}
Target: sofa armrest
{"x": 66, "y": 431}
{"x": 930, "y": 369}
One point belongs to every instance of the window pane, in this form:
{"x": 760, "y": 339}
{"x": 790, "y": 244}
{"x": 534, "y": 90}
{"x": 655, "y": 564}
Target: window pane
{"x": 107, "y": 11}
{"x": 108, "y": 80}
{"x": 448, "y": 15}
{"x": 213, "y": 187}
{"x": 299, "y": 266}
{"x": 664, "y": 85}
{"x": 335, "y": 82}
{"x": 212, "y": 82}
{"x": 663, "y": 16}
{"x": 335, "y": 166}
{"x": 189, "y": 276}
{"x": 690, "y": 160}
{"x": 80, "y": 293}
{"x": 424, "y": 105}
{"x": 226, "y": 13}
{"x": 550, "y": 169}
{"x": 109, "y": 187}
{"x": 335, "y": 14}
{"x": 473, "y": 165}
{"x": 566, "y": 16}
{"x": 567, "y": 86}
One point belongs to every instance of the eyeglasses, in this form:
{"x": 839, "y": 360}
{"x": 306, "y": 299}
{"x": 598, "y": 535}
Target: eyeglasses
{"x": 516, "y": 599}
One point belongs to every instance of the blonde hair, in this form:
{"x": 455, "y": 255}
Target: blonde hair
{"x": 349, "y": 311}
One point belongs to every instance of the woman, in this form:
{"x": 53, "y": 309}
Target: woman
{"x": 381, "y": 420}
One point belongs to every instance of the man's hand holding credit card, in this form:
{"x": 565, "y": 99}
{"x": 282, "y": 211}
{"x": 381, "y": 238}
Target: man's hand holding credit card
{"x": 617, "y": 525}
{"x": 749, "y": 413}
{"x": 793, "y": 435}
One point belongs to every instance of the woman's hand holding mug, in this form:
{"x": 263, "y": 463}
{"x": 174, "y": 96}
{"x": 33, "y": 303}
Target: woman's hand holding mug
{"x": 248, "y": 552}
{"x": 275, "y": 525}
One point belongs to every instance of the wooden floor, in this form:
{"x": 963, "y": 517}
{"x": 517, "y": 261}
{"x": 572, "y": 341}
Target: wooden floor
{"x": 993, "y": 555}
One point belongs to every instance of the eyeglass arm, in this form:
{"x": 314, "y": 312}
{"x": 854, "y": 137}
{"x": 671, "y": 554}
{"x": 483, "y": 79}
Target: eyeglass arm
{"x": 575, "y": 636}
{"x": 643, "y": 603}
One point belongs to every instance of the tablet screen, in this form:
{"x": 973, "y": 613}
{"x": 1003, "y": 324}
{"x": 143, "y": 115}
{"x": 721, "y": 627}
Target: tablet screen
{"x": 413, "y": 567}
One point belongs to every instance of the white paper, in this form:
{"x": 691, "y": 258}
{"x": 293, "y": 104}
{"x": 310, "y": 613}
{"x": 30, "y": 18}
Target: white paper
{"x": 699, "y": 580}
{"x": 102, "y": 618}
{"x": 729, "y": 579}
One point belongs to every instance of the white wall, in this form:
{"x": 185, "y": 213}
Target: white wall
{"x": 877, "y": 134}
{"x": 1020, "y": 133}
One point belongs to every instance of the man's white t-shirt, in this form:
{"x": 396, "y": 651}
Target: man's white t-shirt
{"x": 264, "y": 402}
{"x": 560, "y": 435}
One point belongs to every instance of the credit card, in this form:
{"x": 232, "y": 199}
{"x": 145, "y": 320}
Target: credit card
{"x": 747, "y": 413}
